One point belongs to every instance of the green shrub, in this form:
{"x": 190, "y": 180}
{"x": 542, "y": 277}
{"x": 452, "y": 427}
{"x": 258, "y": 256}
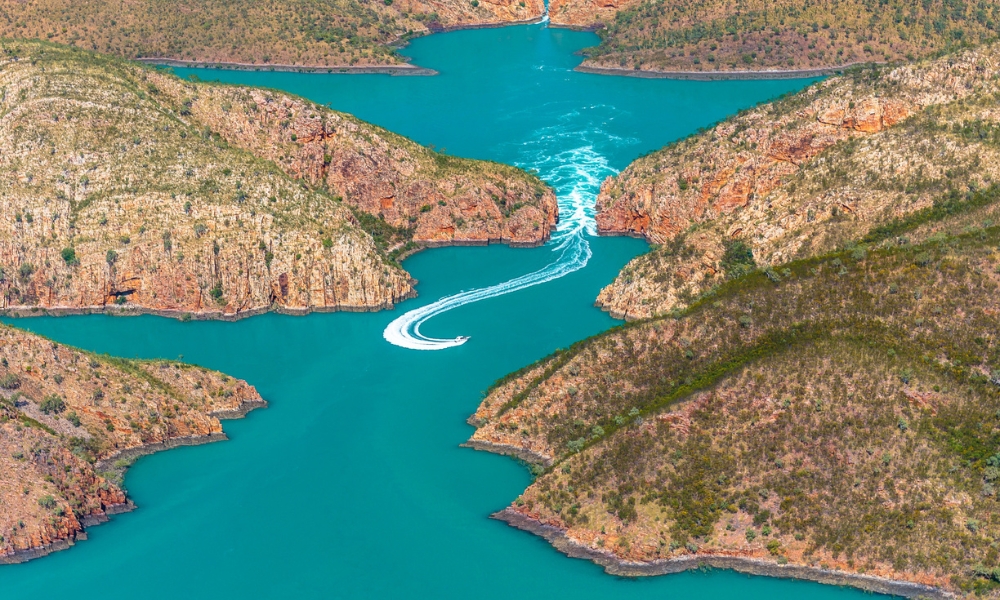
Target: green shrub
{"x": 738, "y": 259}
{"x": 69, "y": 256}
{"x": 10, "y": 381}
{"x": 52, "y": 404}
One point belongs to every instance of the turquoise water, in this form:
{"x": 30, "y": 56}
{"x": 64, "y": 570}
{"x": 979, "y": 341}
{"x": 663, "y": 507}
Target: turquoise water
{"x": 351, "y": 484}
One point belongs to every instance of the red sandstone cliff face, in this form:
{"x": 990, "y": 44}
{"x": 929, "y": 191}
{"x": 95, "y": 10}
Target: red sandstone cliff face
{"x": 586, "y": 13}
{"x": 460, "y": 13}
{"x": 63, "y": 411}
{"x": 792, "y": 178}
{"x": 746, "y": 160}
{"x": 443, "y": 199}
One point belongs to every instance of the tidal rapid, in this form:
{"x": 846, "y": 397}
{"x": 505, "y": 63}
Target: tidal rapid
{"x": 576, "y": 175}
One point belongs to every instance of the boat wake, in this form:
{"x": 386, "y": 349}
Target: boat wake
{"x": 576, "y": 176}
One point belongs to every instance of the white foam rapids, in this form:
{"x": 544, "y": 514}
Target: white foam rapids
{"x": 576, "y": 176}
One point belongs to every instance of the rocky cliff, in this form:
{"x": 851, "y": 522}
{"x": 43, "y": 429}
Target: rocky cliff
{"x": 125, "y": 187}
{"x": 71, "y": 421}
{"x": 801, "y": 176}
{"x": 300, "y": 33}
{"x": 586, "y": 14}
{"x": 718, "y": 36}
{"x": 443, "y": 199}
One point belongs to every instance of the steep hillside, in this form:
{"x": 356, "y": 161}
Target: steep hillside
{"x": 679, "y": 35}
{"x": 317, "y": 33}
{"x": 121, "y": 185}
{"x": 814, "y": 389}
{"x": 70, "y": 423}
{"x": 801, "y": 176}
{"x": 835, "y": 418}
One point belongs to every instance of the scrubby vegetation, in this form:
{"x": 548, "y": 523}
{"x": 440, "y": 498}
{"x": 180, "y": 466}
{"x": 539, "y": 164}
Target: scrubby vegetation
{"x": 833, "y": 403}
{"x": 810, "y": 173}
{"x": 73, "y": 412}
{"x": 679, "y": 35}
{"x": 300, "y": 32}
{"x": 854, "y": 420}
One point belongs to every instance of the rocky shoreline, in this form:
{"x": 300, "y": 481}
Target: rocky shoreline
{"x": 116, "y": 465}
{"x": 616, "y": 566}
{"x": 345, "y": 69}
{"x": 509, "y": 450}
{"x": 530, "y": 21}
{"x": 718, "y": 75}
{"x": 208, "y": 315}
{"x": 404, "y": 69}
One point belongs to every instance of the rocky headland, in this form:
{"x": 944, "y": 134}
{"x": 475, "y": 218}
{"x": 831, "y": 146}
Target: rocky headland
{"x": 125, "y": 188}
{"x": 809, "y": 386}
{"x": 71, "y": 422}
{"x": 801, "y": 176}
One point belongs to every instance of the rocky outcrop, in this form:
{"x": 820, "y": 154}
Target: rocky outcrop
{"x": 585, "y": 14}
{"x": 798, "y": 176}
{"x": 126, "y": 189}
{"x": 71, "y": 421}
{"x": 459, "y": 14}
{"x": 301, "y": 34}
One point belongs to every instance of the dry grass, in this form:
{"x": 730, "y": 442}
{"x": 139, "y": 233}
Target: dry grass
{"x": 681, "y": 35}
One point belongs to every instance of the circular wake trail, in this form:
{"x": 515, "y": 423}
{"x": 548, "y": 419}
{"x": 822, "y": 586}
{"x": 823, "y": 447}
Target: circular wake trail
{"x": 576, "y": 176}
{"x": 405, "y": 330}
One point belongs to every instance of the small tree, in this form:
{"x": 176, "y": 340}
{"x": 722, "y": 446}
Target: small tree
{"x": 52, "y": 404}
